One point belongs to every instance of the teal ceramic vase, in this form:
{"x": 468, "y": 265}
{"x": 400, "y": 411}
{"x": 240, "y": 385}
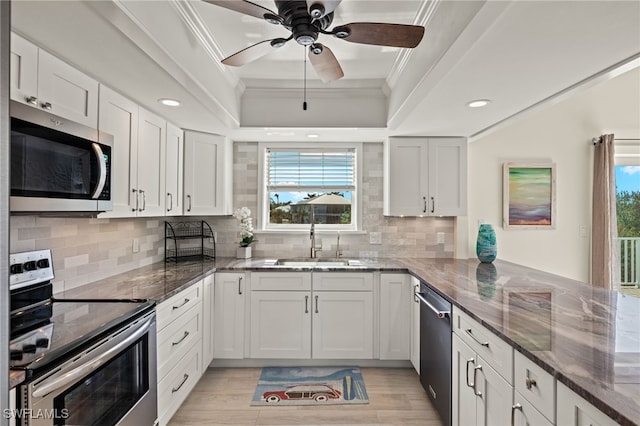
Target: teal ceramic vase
{"x": 486, "y": 247}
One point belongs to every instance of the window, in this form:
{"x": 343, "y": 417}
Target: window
{"x": 302, "y": 184}
{"x": 627, "y": 159}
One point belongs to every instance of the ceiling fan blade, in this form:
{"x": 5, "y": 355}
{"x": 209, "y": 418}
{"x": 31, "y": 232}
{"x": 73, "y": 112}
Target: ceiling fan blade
{"x": 250, "y": 53}
{"x": 328, "y": 6}
{"x": 382, "y": 34}
{"x": 326, "y": 64}
{"x": 246, "y": 7}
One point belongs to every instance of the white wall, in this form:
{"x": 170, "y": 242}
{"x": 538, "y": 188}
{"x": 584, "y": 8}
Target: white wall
{"x": 560, "y": 133}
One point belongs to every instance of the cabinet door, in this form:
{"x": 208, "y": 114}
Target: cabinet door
{"x": 494, "y": 396}
{"x": 175, "y": 151}
{"x": 447, "y": 176}
{"x": 407, "y": 176}
{"x": 463, "y": 396}
{"x": 572, "y": 409}
{"x": 206, "y": 182}
{"x": 228, "y": 315}
{"x": 24, "y": 71}
{"x": 208, "y": 303}
{"x": 342, "y": 325}
{"x": 281, "y": 324}
{"x": 151, "y": 164}
{"x": 119, "y": 117}
{"x": 395, "y": 316}
{"x": 415, "y": 325}
{"x": 66, "y": 91}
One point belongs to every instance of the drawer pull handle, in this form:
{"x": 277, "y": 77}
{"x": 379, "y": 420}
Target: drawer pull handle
{"x": 186, "y": 334}
{"x": 515, "y": 407}
{"x": 240, "y": 286}
{"x": 182, "y": 304}
{"x": 184, "y": 380}
{"x": 530, "y": 383}
{"x": 317, "y": 305}
{"x": 306, "y": 304}
{"x": 475, "y": 372}
{"x": 416, "y": 290}
{"x": 469, "y": 332}
{"x": 470, "y": 361}
{"x": 424, "y": 200}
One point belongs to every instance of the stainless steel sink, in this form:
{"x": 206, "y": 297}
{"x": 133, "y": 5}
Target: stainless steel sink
{"x": 319, "y": 262}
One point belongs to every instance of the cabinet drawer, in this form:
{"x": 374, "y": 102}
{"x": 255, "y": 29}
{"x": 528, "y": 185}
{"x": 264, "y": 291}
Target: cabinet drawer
{"x": 300, "y": 281}
{"x": 534, "y": 384}
{"x": 496, "y": 352}
{"x": 178, "y": 304}
{"x": 526, "y": 414}
{"x": 175, "y": 387}
{"x": 342, "y": 281}
{"x": 178, "y": 338}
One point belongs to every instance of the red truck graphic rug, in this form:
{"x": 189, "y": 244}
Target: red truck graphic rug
{"x": 279, "y": 386}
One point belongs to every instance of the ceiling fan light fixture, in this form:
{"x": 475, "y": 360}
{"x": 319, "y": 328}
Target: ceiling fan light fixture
{"x": 316, "y": 11}
{"x": 341, "y": 32}
{"x": 478, "y": 103}
{"x": 278, "y": 42}
{"x": 316, "y": 48}
{"x": 273, "y": 19}
{"x": 169, "y": 102}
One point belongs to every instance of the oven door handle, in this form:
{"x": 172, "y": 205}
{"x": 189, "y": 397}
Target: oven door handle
{"x": 103, "y": 170}
{"x": 439, "y": 314}
{"x": 63, "y": 378}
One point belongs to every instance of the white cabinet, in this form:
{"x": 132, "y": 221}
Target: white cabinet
{"x": 480, "y": 396}
{"x": 229, "y": 315}
{"x": 207, "y": 174}
{"x": 119, "y": 117}
{"x": 415, "y": 325}
{"x": 534, "y": 396}
{"x": 425, "y": 176}
{"x": 179, "y": 322}
{"x": 173, "y": 177}
{"x": 208, "y": 303}
{"x": 572, "y": 409}
{"x": 43, "y": 81}
{"x": 149, "y": 167}
{"x": 395, "y": 316}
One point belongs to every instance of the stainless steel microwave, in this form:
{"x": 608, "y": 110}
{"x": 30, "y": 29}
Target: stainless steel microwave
{"x": 57, "y": 165}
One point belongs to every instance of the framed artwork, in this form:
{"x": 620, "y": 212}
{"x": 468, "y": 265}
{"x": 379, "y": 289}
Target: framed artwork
{"x": 529, "y": 196}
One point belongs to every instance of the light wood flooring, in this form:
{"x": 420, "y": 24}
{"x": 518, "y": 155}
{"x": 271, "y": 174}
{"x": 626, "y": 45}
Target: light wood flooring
{"x": 223, "y": 395}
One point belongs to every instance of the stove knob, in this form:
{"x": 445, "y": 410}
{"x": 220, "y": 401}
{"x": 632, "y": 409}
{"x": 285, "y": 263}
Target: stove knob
{"x": 43, "y": 263}
{"x": 16, "y": 268}
{"x": 30, "y": 266}
{"x": 43, "y": 342}
{"x": 29, "y": 348}
{"x": 16, "y": 355}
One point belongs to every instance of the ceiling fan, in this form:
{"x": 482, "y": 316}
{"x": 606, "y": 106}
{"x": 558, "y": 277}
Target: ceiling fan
{"x": 307, "y": 20}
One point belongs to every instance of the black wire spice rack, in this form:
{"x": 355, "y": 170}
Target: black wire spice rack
{"x": 188, "y": 241}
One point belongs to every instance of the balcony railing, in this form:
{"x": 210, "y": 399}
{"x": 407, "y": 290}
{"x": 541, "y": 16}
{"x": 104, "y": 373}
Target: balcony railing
{"x": 629, "y": 261}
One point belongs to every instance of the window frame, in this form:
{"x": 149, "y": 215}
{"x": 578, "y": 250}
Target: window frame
{"x": 263, "y": 194}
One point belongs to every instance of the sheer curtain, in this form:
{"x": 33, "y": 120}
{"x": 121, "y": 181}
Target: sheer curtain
{"x": 605, "y": 264}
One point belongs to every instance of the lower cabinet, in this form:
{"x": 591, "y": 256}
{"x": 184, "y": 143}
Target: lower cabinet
{"x": 208, "y": 303}
{"x": 229, "y": 315}
{"x": 179, "y": 348}
{"x": 395, "y": 316}
{"x": 301, "y": 315}
{"x": 415, "y": 325}
{"x": 572, "y": 409}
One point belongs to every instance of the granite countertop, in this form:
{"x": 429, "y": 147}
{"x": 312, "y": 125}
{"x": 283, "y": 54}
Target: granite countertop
{"x": 588, "y": 338}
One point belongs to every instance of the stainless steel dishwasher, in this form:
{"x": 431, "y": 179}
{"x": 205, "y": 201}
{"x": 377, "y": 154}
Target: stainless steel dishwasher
{"x": 435, "y": 350}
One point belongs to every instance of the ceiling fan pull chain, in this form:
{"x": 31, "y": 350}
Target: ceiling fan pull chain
{"x": 304, "y": 100}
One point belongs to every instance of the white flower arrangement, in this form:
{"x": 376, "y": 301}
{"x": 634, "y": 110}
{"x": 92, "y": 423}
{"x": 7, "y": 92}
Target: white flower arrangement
{"x": 243, "y": 214}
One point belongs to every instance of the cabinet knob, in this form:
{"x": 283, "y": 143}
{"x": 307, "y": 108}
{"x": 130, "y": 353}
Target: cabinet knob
{"x": 46, "y": 105}
{"x": 530, "y": 383}
{"x": 32, "y": 100}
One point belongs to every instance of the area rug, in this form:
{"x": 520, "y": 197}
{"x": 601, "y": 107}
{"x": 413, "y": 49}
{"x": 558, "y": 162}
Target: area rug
{"x": 280, "y": 386}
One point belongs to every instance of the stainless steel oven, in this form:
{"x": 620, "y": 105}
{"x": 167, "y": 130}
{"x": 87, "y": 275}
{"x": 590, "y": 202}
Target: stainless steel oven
{"x": 57, "y": 165}
{"x": 112, "y": 382}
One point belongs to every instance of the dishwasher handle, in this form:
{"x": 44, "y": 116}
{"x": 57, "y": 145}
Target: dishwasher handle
{"x": 439, "y": 313}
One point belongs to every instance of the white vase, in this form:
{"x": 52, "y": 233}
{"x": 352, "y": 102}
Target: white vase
{"x": 243, "y": 252}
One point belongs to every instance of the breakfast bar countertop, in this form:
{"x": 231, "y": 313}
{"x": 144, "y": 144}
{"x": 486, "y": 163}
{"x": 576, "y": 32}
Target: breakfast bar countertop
{"x": 588, "y": 338}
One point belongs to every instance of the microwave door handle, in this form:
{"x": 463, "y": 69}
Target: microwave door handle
{"x": 103, "y": 170}
{"x": 62, "y": 379}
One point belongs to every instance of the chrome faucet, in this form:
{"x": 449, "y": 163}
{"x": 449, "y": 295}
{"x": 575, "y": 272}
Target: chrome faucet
{"x": 312, "y": 234}
{"x": 338, "y": 251}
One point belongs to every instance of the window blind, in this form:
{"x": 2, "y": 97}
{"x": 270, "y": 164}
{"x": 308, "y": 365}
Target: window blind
{"x": 311, "y": 168}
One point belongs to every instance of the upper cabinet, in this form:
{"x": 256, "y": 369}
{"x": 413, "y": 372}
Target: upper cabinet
{"x": 149, "y": 169}
{"x": 425, "y": 176}
{"x": 174, "y": 161}
{"x": 207, "y": 174}
{"x": 43, "y": 81}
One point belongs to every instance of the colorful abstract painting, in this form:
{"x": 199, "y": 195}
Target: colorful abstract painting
{"x": 529, "y": 195}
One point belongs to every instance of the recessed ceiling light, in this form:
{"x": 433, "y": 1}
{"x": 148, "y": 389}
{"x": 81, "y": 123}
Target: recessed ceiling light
{"x": 313, "y": 135}
{"x": 169, "y": 102}
{"x": 478, "y": 103}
